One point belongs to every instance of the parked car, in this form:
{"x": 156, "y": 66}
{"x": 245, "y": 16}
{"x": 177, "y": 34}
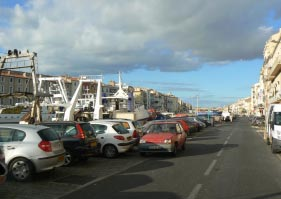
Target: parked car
{"x": 113, "y": 137}
{"x": 134, "y": 127}
{"x": 195, "y": 119}
{"x": 30, "y": 149}
{"x": 183, "y": 123}
{"x": 79, "y": 140}
{"x": 193, "y": 126}
{"x": 163, "y": 136}
{"x": 3, "y": 167}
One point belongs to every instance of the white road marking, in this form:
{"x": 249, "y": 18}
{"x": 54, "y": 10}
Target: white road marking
{"x": 195, "y": 191}
{"x": 225, "y": 143}
{"x": 220, "y": 152}
{"x": 211, "y": 166}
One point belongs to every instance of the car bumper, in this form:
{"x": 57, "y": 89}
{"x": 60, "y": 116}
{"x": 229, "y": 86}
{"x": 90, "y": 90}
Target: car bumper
{"x": 48, "y": 163}
{"x": 148, "y": 147}
{"x": 125, "y": 146}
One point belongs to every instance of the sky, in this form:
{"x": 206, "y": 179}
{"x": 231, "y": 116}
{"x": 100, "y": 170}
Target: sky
{"x": 194, "y": 49}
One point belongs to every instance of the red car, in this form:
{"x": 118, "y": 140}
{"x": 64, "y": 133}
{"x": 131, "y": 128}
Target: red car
{"x": 163, "y": 136}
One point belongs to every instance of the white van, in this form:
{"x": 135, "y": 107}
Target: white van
{"x": 273, "y": 127}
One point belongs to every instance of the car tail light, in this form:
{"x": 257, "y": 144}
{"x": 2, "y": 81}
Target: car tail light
{"x": 45, "y": 146}
{"x": 80, "y": 132}
{"x": 119, "y": 137}
{"x": 135, "y": 134}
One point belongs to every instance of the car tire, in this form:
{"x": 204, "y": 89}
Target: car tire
{"x": 69, "y": 158}
{"x": 110, "y": 151}
{"x": 273, "y": 146}
{"x": 21, "y": 169}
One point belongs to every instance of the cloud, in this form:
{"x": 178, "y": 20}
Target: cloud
{"x": 107, "y": 36}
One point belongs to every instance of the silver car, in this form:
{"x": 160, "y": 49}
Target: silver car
{"x": 30, "y": 149}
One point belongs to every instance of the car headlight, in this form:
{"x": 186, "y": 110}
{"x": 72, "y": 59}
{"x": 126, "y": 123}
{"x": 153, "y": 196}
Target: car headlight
{"x": 168, "y": 141}
{"x": 142, "y": 141}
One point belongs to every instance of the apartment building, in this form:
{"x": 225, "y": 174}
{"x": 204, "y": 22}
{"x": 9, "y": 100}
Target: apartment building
{"x": 12, "y": 82}
{"x": 270, "y": 79}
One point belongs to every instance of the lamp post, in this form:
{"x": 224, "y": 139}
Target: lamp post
{"x": 197, "y": 96}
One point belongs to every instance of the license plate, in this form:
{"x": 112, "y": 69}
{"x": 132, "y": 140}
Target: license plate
{"x": 93, "y": 144}
{"x": 61, "y": 158}
{"x": 129, "y": 138}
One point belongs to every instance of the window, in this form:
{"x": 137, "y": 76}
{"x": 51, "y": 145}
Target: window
{"x": 11, "y": 79}
{"x": 99, "y": 128}
{"x": 6, "y": 134}
{"x": 18, "y": 136}
{"x": 48, "y": 134}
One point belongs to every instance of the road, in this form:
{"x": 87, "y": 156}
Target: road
{"x": 229, "y": 161}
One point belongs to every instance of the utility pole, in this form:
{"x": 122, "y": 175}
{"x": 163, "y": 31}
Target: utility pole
{"x": 197, "y": 104}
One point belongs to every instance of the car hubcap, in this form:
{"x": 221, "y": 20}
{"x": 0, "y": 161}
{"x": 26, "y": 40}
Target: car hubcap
{"x": 110, "y": 151}
{"x": 20, "y": 170}
{"x": 67, "y": 159}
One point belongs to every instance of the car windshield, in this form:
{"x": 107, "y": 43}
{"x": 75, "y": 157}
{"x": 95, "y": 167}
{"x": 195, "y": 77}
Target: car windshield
{"x": 277, "y": 118}
{"x": 162, "y": 128}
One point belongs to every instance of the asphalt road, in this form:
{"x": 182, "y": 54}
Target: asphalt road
{"x": 226, "y": 161}
{"x": 230, "y": 161}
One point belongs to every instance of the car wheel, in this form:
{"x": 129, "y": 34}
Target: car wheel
{"x": 68, "y": 160}
{"x": 21, "y": 169}
{"x": 110, "y": 151}
{"x": 273, "y": 146}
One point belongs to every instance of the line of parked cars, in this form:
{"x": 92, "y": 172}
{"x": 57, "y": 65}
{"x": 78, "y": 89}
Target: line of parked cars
{"x": 28, "y": 149}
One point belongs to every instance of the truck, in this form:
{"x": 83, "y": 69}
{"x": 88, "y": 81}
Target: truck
{"x": 273, "y": 127}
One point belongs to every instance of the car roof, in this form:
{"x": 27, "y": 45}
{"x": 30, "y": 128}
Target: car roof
{"x": 24, "y": 126}
{"x": 103, "y": 122}
{"x": 165, "y": 122}
{"x": 63, "y": 122}
{"x": 119, "y": 119}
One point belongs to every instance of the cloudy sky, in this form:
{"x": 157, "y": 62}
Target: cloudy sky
{"x": 211, "y": 49}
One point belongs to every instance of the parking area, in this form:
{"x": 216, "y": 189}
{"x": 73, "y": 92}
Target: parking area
{"x": 63, "y": 180}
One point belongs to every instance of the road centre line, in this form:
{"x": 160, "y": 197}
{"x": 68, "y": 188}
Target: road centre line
{"x": 195, "y": 191}
{"x": 209, "y": 169}
{"x": 220, "y": 152}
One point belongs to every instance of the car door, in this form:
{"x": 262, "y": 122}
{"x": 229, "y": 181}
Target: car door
{"x": 11, "y": 141}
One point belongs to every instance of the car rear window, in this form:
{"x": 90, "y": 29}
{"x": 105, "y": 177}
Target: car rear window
{"x": 120, "y": 129}
{"x": 125, "y": 125}
{"x": 48, "y": 134}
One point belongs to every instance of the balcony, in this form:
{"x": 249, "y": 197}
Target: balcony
{"x": 275, "y": 70}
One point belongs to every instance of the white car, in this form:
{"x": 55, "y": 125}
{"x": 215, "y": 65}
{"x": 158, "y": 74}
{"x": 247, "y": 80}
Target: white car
{"x": 113, "y": 137}
{"x": 134, "y": 127}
